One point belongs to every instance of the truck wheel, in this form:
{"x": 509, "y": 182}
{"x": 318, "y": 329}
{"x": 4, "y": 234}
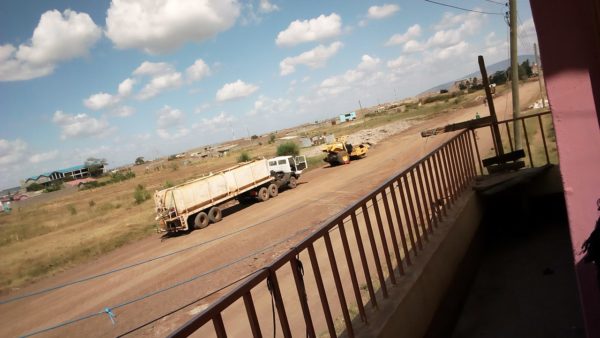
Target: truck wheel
{"x": 292, "y": 183}
{"x": 214, "y": 214}
{"x": 273, "y": 190}
{"x": 201, "y": 220}
{"x": 263, "y": 194}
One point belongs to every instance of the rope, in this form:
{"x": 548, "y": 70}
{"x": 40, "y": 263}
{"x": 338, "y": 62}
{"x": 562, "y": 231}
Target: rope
{"x": 108, "y": 310}
{"x": 142, "y": 262}
{"x": 188, "y": 304}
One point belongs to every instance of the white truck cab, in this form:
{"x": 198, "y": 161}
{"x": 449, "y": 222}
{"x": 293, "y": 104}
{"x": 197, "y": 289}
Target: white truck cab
{"x": 288, "y": 164}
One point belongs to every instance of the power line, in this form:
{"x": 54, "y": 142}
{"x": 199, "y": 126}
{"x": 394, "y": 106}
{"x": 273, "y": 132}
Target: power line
{"x": 464, "y": 9}
{"x": 497, "y": 3}
{"x": 108, "y": 310}
{"x": 138, "y": 263}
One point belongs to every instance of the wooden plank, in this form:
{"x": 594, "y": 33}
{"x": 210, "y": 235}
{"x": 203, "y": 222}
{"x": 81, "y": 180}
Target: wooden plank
{"x": 470, "y": 124}
{"x": 508, "y": 157}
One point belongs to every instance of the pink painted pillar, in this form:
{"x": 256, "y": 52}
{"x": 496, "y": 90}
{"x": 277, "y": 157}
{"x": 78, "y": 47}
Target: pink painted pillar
{"x": 569, "y": 39}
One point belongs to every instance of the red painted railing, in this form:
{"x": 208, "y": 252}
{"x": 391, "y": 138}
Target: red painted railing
{"x": 398, "y": 218}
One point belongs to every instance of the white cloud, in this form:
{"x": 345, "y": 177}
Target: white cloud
{"x": 80, "y": 125}
{"x": 412, "y": 32}
{"x": 217, "y": 122}
{"x": 265, "y": 106}
{"x": 123, "y": 111}
{"x": 363, "y": 75}
{"x": 320, "y": 28}
{"x": 99, "y": 101}
{"x": 197, "y": 71}
{"x": 202, "y": 108}
{"x": 170, "y": 123}
{"x": 161, "y": 26}
{"x": 153, "y": 68}
{"x": 267, "y": 7}
{"x": 126, "y": 87}
{"x": 368, "y": 62}
{"x": 235, "y": 90}
{"x": 162, "y": 77}
{"x": 412, "y": 46}
{"x": 380, "y": 12}
{"x": 314, "y": 58}
{"x": 527, "y": 36}
{"x": 169, "y": 117}
{"x": 452, "y": 30}
{"x": 43, "y": 157}
{"x": 58, "y": 37}
{"x": 11, "y": 151}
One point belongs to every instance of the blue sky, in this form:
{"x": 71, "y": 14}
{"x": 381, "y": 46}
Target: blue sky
{"x": 122, "y": 79}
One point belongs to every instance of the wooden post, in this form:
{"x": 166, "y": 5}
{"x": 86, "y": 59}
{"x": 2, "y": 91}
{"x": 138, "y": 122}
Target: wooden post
{"x": 486, "y": 85}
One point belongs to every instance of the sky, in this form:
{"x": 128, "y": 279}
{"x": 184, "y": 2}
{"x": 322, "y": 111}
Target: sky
{"x": 126, "y": 78}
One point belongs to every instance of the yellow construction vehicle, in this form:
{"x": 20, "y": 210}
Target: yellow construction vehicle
{"x": 341, "y": 152}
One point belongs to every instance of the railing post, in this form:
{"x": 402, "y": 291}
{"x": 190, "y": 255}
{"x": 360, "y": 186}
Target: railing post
{"x": 386, "y": 251}
{"x": 388, "y": 216}
{"x": 321, "y": 288}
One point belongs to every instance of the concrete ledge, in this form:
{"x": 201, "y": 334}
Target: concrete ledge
{"x": 413, "y": 303}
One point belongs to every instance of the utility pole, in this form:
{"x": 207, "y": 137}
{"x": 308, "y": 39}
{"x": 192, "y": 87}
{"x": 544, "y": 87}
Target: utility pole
{"x": 359, "y": 104}
{"x": 539, "y": 67}
{"x": 514, "y": 64}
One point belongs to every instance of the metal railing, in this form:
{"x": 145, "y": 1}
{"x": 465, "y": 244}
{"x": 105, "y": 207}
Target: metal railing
{"x": 398, "y": 218}
{"x": 534, "y": 127}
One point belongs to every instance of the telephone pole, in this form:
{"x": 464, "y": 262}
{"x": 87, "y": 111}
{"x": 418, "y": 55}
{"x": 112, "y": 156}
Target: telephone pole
{"x": 539, "y": 68}
{"x": 514, "y": 64}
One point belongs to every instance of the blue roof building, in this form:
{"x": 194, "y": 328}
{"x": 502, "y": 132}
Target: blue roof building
{"x": 71, "y": 173}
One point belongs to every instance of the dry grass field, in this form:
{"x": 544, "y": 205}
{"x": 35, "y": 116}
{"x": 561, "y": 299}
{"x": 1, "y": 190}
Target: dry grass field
{"x": 67, "y": 228}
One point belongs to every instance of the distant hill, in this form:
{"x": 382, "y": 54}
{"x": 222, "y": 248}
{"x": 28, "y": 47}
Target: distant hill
{"x": 491, "y": 69}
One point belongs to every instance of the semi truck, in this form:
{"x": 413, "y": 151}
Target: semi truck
{"x": 197, "y": 203}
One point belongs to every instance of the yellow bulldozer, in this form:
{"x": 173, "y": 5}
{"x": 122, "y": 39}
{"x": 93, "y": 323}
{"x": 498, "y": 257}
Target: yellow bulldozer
{"x": 341, "y": 152}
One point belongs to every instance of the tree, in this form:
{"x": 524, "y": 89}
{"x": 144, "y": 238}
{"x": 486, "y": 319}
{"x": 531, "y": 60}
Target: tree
{"x": 254, "y": 137}
{"x": 288, "y": 149}
{"x": 95, "y": 166}
{"x": 474, "y": 82}
{"x": 139, "y": 160}
{"x": 498, "y": 77}
{"x": 526, "y": 67}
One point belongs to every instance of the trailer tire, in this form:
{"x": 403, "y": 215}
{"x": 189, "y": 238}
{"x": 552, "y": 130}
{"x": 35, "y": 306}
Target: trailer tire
{"x": 201, "y": 220}
{"x": 273, "y": 190}
{"x": 292, "y": 183}
{"x": 263, "y": 194}
{"x": 215, "y": 215}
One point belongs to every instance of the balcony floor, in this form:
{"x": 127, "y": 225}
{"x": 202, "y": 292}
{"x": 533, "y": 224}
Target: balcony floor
{"x": 525, "y": 284}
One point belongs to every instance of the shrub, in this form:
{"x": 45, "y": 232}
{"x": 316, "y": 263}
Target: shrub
{"x": 54, "y": 187}
{"x": 174, "y": 166}
{"x": 141, "y": 194}
{"x": 168, "y": 184}
{"x": 35, "y": 187}
{"x": 91, "y": 203}
{"x": 244, "y": 157}
{"x": 120, "y": 176}
{"x": 254, "y": 137}
{"x": 288, "y": 149}
{"x": 272, "y": 138}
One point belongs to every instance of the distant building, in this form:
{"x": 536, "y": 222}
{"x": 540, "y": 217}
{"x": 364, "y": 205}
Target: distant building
{"x": 347, "y": 117}
{"x": 72, "y": 173}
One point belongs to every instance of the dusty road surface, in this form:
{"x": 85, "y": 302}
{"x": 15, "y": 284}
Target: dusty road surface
{"x": 259, "y": 232}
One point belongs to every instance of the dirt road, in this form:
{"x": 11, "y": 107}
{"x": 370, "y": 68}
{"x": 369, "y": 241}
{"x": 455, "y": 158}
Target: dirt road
{"x": 286, "y": 219}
